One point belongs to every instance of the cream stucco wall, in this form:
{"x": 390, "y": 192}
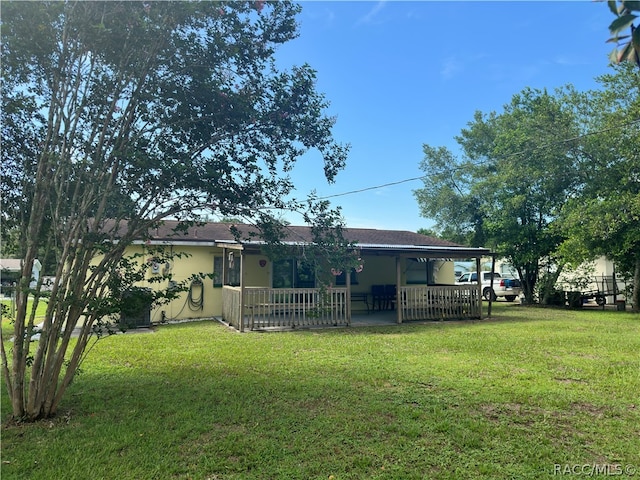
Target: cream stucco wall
{"x": 188, "y": 260}
{"x": 378, "y": 270}
{"x": 444, "y": 272}
{"x": 200, "y": 259}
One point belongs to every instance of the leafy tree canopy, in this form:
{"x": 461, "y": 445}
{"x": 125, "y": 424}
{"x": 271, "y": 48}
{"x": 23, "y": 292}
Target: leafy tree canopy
{"x": 603, "y": 215}
{"x": 508, "y": 184}
{"x": 116, "y": 115}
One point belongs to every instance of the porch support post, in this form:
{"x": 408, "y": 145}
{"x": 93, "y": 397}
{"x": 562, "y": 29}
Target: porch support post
{"x": 398, "y": 296}
{"x": 348, "y": 299}
{"x": 224, "y": 266}
{"x": 479, "y": 275}
{"x": 241, "y": 321}
{"x": 493, "y": 268}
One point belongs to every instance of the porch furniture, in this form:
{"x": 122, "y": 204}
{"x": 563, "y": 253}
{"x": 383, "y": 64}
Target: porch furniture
{"x": 361, "y": 297}
{"x": 377, "y": 294}
{"x": 389, "y": 297}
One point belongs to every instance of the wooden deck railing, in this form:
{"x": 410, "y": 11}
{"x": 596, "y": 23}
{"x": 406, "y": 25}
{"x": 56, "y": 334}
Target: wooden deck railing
{"x": 231, "y": 312}
{"x": 294, "y": 307}
{"x": 273, "y": 308}
{"x": 440, "y": 302}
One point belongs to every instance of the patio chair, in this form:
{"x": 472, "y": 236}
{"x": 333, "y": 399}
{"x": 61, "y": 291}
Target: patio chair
{"x": 378, "y": 296}
{"x": 389, "y": 297}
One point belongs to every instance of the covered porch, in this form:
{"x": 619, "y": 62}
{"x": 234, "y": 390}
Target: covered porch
{"x": 410, "y": 283}
{"x": 258, "y": 308}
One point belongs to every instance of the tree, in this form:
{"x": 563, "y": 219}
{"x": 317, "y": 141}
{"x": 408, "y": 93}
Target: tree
{"x": 627, "y": 46}
{"x": 117, "y": 115}
{"x": 603, "y": 216}
{"x": 507, "y": 188}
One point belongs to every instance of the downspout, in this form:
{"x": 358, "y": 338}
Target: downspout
{"x": 398, "y": 296}
{"x": 223, "y": 280}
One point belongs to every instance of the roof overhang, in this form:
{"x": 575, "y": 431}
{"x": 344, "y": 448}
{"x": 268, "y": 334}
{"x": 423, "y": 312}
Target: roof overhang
{"x": 411, "y": 251}
{"x": 425, "y": 251}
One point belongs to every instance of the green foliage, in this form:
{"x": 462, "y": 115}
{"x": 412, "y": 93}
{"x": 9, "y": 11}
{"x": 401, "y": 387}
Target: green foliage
{"x": 117, "y": 115}
{"x": 627, "y": 46}
{"x": 505, "y": 190}
{"x": 553, "y": 179}
{"x": 603, "y": 215}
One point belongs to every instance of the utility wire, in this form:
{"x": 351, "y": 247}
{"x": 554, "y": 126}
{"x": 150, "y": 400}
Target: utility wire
{"x": 374, "y": 188}
{"x": 522, "y": 152}
{"x": 423, "y": 177}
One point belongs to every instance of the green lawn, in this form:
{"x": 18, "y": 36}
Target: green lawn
{"x": 523, "y": 395}
{"x": 7, "y": 325}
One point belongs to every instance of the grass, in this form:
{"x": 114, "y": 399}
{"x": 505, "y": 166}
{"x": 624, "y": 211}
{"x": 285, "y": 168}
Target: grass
{"x": 510, "y": 397}
{"x": 7, "y": 325}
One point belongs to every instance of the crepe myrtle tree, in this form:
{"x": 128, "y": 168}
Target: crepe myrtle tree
{"x": 117, "y": 115}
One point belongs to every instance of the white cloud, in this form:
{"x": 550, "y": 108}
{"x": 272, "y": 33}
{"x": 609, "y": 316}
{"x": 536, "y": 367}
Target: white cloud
{"x": 325, "y": 16}
{"x": 371, "y": 14}
{"x": 450, "y": 68}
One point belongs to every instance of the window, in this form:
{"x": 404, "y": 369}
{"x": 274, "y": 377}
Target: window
{"x": 233, "y": 272}
{"x": 342, "y": 278}
{"x": 419, "y": 271}
{"x": 293, "y": 273}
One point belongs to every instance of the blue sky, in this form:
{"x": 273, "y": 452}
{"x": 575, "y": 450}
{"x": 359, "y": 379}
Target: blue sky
{"x": 402, "y": 74}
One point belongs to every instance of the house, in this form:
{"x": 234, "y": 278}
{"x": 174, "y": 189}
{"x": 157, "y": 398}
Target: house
{"x": 408, "y": 275}
{"x": 10, "y": 269}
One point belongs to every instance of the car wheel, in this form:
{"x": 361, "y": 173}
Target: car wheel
{"x": 489, "y": 294}
{"x": 510, "y": 298}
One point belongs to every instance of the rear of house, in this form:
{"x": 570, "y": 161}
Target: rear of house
{"x": 405, "y": 274}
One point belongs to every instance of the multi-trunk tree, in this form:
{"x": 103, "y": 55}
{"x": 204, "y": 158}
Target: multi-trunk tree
{"x": 116, "y": 115}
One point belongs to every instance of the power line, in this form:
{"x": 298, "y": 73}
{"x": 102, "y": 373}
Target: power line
{"x": 374, "y": 188}
{"x": 528, "y": 150}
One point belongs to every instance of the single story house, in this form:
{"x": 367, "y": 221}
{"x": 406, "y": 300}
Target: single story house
{"x": 402, "y": 273}
{"x": 10, "y": 269}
